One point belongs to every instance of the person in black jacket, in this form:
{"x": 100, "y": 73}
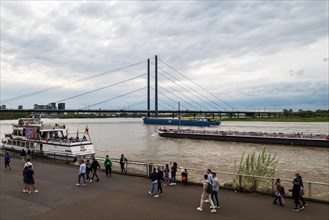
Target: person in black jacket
{"x": 160, "y": 179}
{"x": 94, "y": 166}
{"x": 296, "y": 195}
{"x": 300, "y": 180}
{"x": 154, "y": 180}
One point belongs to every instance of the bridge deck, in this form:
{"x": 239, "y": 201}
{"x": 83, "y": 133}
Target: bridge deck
{"x": 126, "y": 197}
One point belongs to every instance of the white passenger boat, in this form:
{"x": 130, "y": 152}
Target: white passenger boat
{"x": 50, "y": 140}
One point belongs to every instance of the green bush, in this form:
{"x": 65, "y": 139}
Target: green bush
{"x": 263, "y": 164}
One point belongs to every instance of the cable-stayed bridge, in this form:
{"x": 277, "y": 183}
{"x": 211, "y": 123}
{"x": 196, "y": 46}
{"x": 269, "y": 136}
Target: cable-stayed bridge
{"x": 163, "y": 89}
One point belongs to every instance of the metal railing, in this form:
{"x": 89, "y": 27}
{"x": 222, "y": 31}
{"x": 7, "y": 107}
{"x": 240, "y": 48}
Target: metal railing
{"x": 316, "y": 191}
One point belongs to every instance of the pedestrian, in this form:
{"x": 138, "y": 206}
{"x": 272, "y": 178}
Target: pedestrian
{"x": 26, "y": 186}
{"x": 278, "y": 192}
{"x": 166, "y": 175}
{"x": 160, "y": 179}
{"x": 300, "y": 180}
{"x": 7, "y": 161}
{"x": 108, "y": 165}
{"x": 88, "y": 170}
{"x": 215, "y": 185}
{"x": 94, "y": 166}
{"x": 82, "y": 173}
{"x": 206, "y": 195}
{"x": 123, "y": 161}
{"x": 173, "y": 174}
{"x": 209, "y": 179}
{"x": 296, "y": 195}
{"x": 184, "y": 176}
{"x": 23, "y": 156}
{"x": 28, "y": 154}
{"x": 29, "y": 175}
{"x": 154, "y": 181}
{"x": 28, "y": 163}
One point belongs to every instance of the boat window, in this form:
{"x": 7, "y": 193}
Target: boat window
{"x": 31, "y": 145}
{"x": 15, "y": 143}
{"x": 10, "y": 142}
{"x": 44, "y": 134}
{"x": 14, "y": 132}
{"x": 23, "y": 144}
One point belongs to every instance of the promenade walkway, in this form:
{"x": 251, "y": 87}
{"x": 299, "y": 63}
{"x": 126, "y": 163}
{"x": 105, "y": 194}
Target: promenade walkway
{"x": 126, "y": 197}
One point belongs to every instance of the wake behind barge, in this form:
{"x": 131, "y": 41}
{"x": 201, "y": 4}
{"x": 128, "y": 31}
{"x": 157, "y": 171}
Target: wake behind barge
{"x": 317, "y": 140}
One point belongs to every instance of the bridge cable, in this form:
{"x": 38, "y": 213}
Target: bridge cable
{"x": 95, "y": 90}
{"x": 61, "y": 86}
{"x": 113, "y": 98}
{"x": 200, "y": 86}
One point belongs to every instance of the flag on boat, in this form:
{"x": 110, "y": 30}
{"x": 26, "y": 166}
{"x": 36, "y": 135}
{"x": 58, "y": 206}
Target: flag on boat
{"x": 86, "y": 130}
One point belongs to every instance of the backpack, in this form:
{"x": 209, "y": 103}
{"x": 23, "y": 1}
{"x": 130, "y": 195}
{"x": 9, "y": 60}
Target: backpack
{"x": 209, "y": 188}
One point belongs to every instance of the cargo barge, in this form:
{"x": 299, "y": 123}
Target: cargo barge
{"x": 181, "y": 122}
{"x": 318, "y": 140}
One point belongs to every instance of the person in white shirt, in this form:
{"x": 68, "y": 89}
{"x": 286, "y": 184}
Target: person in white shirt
{"x": 82, "y": 173}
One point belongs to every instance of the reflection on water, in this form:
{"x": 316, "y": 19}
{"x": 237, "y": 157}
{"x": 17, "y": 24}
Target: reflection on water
{"x": 140, "y": 142}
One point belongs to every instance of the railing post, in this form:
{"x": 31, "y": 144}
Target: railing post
{"x": 272, "y": 186}
{"x": 240, "y": 182}
{"x": 310, "y": 190}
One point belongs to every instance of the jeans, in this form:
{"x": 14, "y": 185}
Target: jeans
{"x": 173, "y": 177}
{"x": 154, "y": 188}
{"x": 215, "y": 194}
{"x": 83, "y": 176}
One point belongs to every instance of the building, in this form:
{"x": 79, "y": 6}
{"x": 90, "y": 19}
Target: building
{"x": 20, "y": 107}
{"x": 61, "y": 106}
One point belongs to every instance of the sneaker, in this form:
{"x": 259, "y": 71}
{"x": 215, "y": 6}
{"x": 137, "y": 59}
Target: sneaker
{"x": 295, "y": 209}
{"x": 206, "y": 200}
{"x": 150, "y": 193}
{"x": 171, "y": 184}
{"x": 156, "y": 196}
{"x": 212, "y": 207}
{"x": 200, "y": 209}
{"x": 217, "y": 207}
{"x": 90, "y": 181}
{"x": 78, "y": 184}
{"x": 305, "y": 204}
{"x": 213, "y": 210}
{"x": 30, "y": 191}
{"x": 25, "y": 191}
{"x": 301, "y": 208}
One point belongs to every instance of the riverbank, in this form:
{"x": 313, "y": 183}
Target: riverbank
{"x": 126, "y": 197}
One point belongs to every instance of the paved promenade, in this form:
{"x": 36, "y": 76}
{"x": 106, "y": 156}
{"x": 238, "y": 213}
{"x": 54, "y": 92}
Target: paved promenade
{"x": 126, "y": 197}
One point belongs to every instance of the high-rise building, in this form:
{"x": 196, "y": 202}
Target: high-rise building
{"x": 20, "y": 107}
{"x": 61, "y": 106}
{"x": 52, "y": 105}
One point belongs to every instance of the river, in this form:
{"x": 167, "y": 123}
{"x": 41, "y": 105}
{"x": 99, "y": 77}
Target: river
{"x": 140, "y": 142}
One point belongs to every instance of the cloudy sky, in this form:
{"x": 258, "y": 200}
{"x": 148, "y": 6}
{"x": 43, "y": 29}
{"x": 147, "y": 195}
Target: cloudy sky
{"x": 243, "y": 55}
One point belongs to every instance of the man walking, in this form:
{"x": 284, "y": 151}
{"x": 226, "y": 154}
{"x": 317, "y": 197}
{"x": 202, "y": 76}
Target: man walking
{"x": 82, "y": 173}
{"x": 94, "y": 166}
{"x": 206, "y": 195}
